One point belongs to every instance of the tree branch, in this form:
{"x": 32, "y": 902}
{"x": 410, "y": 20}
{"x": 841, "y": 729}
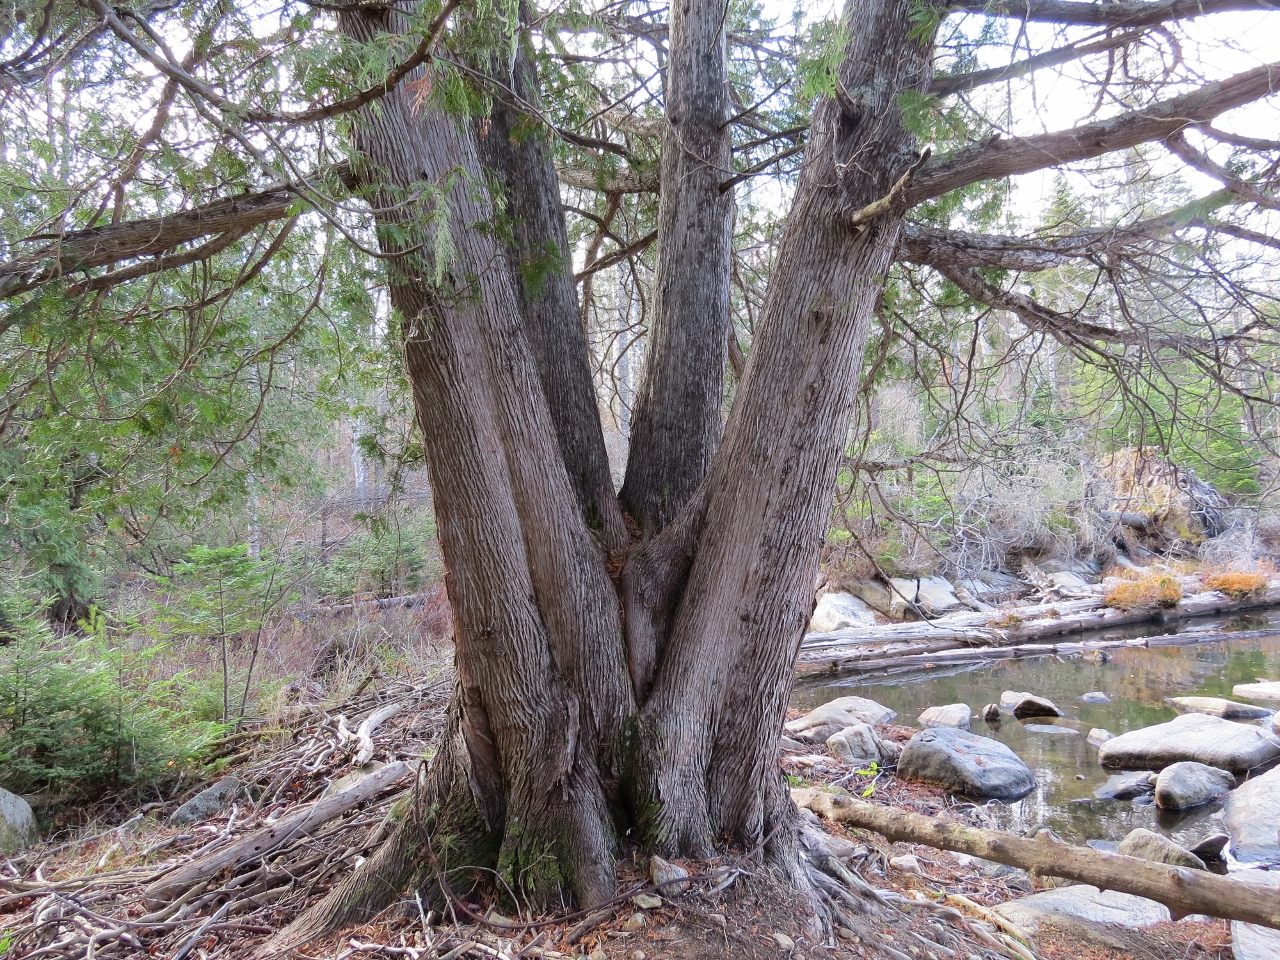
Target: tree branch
{"x": 1127, "y": 14}
{"x": 944, "y": 85}
{"x": 1179, "y": 146}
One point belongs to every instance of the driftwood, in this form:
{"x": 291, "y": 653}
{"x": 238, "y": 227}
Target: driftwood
{"x": 857, "y": 647}
{"x": 1183, "y": 891}
{"x": 262, "y": 842}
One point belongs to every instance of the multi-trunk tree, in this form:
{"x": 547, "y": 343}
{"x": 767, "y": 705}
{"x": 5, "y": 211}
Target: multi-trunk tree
{"x": 624, "y": 661}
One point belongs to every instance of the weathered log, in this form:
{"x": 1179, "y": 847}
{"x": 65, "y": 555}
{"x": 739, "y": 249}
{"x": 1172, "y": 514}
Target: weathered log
{"x": 1183, "y": 891}
{"x": 262, "y": 842}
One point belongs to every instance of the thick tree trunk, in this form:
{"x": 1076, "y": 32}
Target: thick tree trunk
{"x": 676, "y": 426}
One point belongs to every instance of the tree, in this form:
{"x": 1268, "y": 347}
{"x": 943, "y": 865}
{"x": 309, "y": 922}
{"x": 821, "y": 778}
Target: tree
{"x": 628, "y": 672}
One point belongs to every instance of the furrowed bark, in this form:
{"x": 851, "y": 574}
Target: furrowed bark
{"x": 513, "y": 146}
{"x": 677, "y": 423}
{"x": 709, "y": 754}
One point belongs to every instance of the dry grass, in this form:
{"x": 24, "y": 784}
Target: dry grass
{"x": 1148, "y": 592}
{"x": 1236, "y": 585}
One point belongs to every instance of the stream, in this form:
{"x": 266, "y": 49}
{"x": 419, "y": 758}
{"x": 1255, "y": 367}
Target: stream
{"x": 1137, "y": 680}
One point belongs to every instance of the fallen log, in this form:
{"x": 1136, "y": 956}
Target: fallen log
{"x": 262, "y": 842}
{"x": 1183, "y": 891}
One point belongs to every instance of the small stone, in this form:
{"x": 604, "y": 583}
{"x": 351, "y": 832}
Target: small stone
{"x": 634, "y": 923}
{"x": 991, "y": 713}
{"x": 207, "y": 802}
{"x": 1098, "y": 736}
{"x": 844, "y": 933}
{"x": 1050, "y": 728}
{"x": 952, "y": 715}
{"x": 598, "y": 954}
{"x": 718, "y": 919}
{"x": 1211, "y": 847}
{"x": 907, "y": 863}
{"x": 1095, "y": 696}
{"x": 857, "y": 745}
{"x": 670, "y": 878}
{"x": 647, "y": 901}
{"x": 1025, "y": 705}
{"x": 1124, "y": 786}
{"x": 784, "y": 942}
{"x": 636, "y": 955}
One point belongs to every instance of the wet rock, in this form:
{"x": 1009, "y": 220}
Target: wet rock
{"x": 1108, "y": 918}
{"x": 1220, "y": 743}
{"x": 1094, "y": 696}
{"x": 1218, "y": 707}
{"x": 1181, "y": 786}
{"x": 857, "y": 744}
{"x": 18, "y": 827}
{"x": 1262, "y": 690}
{"x": 1025, "y": 706}
{"x": 1250, "y": 941}
{"x": 1150, "y": 845}
{"x": 837, "y": 611}
{"x": 1124, "y": 786}
{"x": 965, "y": 763}
{"x": 840, "y": 713}
{"x": 991, "y": 713}
{"x": 1098, "y": 736}
{"x": 1211, "y": 847}
{"x": 208, "y": 802}
{"x": 1051, "y": 729}
{"x": 1252, "y": 817}
{"x": 952, "y": 715}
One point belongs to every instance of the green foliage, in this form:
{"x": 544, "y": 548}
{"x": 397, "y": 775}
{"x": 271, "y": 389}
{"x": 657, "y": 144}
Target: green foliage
{"x": 390, "y": 558}
{"x": 83, "y": 714}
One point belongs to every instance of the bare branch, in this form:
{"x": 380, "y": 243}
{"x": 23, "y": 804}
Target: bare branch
{"x": 1126, "y": 14}
{"x": 944, "y": 85}
{"x": 1179, "y": 146}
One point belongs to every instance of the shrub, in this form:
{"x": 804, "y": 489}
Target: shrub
{"x": 1149, "y": 591}
{"x": 1238, "y": 586}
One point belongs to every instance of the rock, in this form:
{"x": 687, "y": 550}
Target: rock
{"x": 1218, "y": 707}
{"x": 1150, "y": 845}
{"x": 207, "y": 802}
{"x": 952, "y": 715}
{"x": 1252, "y": 817}
{"x": 647, "y": 901}
{"x": 836, "y": 611}
{"x": 1220, "y": 743}
{"x": 669, "y": 877}
{"x": 935, "y": 596}
{"x": 907, "y": 863}
{"x": 966, "y": 763}
{"x": 1124, "y": 786}
{"x": 1098, "y": 736}
{"x": 1050, "y": 728}
{"x": 1250, "y": 941}
{"x": 1168, "y": 500}
{"x": 840, "y": 713}
{"x": 1211, "y": 847}
{"x": 856, "y": 744}
{"x": 784, "y": 942}
{"x": 876, "y": 595}
{"x": 1071, "y": 584}
{"x": 991, "y": 713}
{"x": 1181, "y": 786}
{"x": 1025, "y": 706}
{"x": 995, "y": 587}
{"x": 634, "y": 923}
{"x": 890, "y": 752}
{"x": 1106, "y": 917}
{"x": 1262, "y": 690}
{"x": 352, "y": 778}
{"x": 787, "y": 745}
{"x": 1094, "y": 696}
{"x": 18, "y": 827}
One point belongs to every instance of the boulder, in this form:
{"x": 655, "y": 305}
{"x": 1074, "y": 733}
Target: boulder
{"x": 1098, "y": 736}
{"x": 1107, "y": 917}
{"x": 1218, "y": 707}
{"x": 994, "y": 587}
{"x": 1248, "y": 940}
{"x": 836, "y": 611}
{"x": 991, "y": 713}
{"x": 1262, "y": 690}
{"x": 1094, "y": 696}
{"x": 1211, "y": 847}
{"x": 857, "y": 744}
{"x": 840, "y": 713}
{"x": 965, "y": 763}
{"x": 1181, "y": 786}
{"x": 877, "y": 596}
{"x": 1150, "y": 845}
{"x": 1024, "y": 706}
{"x": 207, "y": 802}
{"x": 1220, "y": 743}
{"x": 1252, "y": 817}
{"x": 18, "y": 827}
{"x": 1125, "y": 786}
{"x": 1163, "y": 501}
{"x": 952, "y": 715}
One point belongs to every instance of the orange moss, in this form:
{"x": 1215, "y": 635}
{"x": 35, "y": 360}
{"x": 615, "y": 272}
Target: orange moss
{"x": 1147, "y": 592}
{"x": 1238, "y": 586}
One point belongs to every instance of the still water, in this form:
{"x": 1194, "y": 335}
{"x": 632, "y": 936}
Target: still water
{"x": 1067, "y": 772}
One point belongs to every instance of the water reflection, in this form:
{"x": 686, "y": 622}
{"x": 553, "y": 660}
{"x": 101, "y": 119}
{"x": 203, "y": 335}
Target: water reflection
{"x": 1067, "y": 772}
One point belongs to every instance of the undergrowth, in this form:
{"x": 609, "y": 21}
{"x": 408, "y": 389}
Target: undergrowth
{"x": 1236, "y": 585}
{"x": 1148, "y": 592}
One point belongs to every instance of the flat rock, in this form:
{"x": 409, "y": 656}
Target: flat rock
{"x": 1124, "y": 786}
{"x": 1052, "y": 729}
{"x": 1220, "y": 743}
{"x": 1150, "y": 845}
{"x": 208, "y": 802}
{"x": 18, "y": 827}
{"x": 1248, "y": 940}
{"x": 840, "y": 713}
{"x": 955, "y": 715}
{"x": 1094, "y": 696}
{"x": 1252, "y": 817}
{"x": 1211, "y": 847}
{"x": 1105, "y": 917}
{"x": 837, "y": 611}
{"x": 1098, "y": 736}
{"x": 965, "y": 763}
{"x": 1262, "y": 690}
{"x": 1218, "y": 707}
{"x": 1025, "y": 706}
{"x": 1187, "y": 784}
{"x": 856, "y": 744}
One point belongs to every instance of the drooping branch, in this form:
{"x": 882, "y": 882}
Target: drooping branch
{"x": 1127, "y": 14}
{"x": 997, "y": 158}
{"x": 1246, "y": 190}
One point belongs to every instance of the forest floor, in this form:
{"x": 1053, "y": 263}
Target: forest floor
{"x": 118, "y": 880}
